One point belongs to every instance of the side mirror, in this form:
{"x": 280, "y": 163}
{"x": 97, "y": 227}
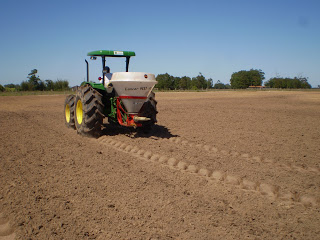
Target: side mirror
{"x": 93, "y": 58}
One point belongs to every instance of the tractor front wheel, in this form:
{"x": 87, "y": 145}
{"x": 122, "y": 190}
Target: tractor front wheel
{"x": 69, "y": 111}
{"x": 88, "y": 111}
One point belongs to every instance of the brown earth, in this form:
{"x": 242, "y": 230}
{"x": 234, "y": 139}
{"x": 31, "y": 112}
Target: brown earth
{"x": 219, "y": 165}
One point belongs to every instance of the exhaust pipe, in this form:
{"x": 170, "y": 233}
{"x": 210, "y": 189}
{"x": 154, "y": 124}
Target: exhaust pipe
{"x": 87, "y": 70}
{"x": 141, "y": 119}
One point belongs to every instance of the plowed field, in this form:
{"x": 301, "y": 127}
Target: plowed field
{"x": 219, "y": 165}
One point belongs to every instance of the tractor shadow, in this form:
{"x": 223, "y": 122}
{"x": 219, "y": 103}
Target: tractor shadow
{"x": 158, "y": 131}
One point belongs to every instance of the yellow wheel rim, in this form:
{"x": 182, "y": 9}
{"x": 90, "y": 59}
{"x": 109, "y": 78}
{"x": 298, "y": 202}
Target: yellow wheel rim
{"x": 79, "y": 112}
{"x": 67, "y": 112}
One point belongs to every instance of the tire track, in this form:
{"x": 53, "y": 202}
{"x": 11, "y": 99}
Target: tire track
{"x": 6, "y": 231}
{"x": 246, "y": 156}
{"x": 273, "y": 192}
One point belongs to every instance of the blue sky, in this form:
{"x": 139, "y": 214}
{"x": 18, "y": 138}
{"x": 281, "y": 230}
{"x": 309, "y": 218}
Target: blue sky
{"x": 181, "y": 38}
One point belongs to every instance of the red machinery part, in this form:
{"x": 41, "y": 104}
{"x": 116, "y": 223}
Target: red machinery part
{"x": 121, "y": 111}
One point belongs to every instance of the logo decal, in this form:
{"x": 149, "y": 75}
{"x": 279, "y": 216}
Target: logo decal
{"x": 117, "y": 52}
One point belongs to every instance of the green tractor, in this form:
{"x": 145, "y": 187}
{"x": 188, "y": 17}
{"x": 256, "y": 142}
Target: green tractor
{"x": 125, "y": 98}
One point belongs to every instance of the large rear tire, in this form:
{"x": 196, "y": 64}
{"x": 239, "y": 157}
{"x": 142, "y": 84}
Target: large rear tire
{"x": 88, "y": 111}
{"x": 69, "y": 111}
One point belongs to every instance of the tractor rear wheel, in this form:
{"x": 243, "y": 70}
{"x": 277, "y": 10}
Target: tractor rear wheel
{"x": 88, "y": 111}
{"x": 69, "y": 111}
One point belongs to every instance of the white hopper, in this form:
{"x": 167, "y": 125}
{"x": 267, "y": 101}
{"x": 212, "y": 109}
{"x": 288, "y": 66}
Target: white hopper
{"x": 133, "y": 88}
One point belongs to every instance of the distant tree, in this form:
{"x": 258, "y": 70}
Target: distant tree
{"x": 209, "y": 83}
{"x": 185, "y": 82}
{"x": 199, "y": 82}
{"x": 219, "y": 85}
{"x": 244, "y": 79}
{"x": 165, "y": 81}
{"x": 169, "y": 82}
{"x": 26, "y": 86}
{"x": 49, "y": 85}
{"x": 61, "y": 85}
{"x": 296, "y": 82}
{"x": 176, "y": 82}
{"x": 1, "y": 88}
{"x": 304, "y": 82}
{"x": 35, "y": 81}
{"x": 12, "y": 87}
{"x": 194, "y": 84}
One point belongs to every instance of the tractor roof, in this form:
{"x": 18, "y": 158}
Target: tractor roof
{"x": 111, "y": 53}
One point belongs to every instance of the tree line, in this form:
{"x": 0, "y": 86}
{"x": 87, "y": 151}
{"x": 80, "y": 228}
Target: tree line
{"x": 296, "y": 82}
{"x": 239, "y": 80}
{"x": 34, "y": 83}
{"x": 169, "y": 82}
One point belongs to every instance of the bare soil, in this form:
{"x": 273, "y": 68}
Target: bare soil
{"x": 218, "y": 165}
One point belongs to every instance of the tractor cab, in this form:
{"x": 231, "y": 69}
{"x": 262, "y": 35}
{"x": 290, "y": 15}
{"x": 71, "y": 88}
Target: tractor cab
{"x": 105, "y": 69}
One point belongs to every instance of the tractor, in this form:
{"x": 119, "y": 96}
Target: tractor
{"x": 124, "y": 98}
